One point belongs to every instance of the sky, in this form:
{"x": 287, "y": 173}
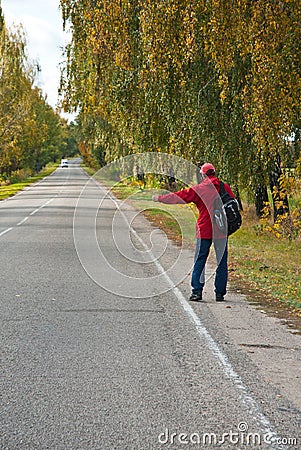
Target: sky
{"x": 42, "y": 22}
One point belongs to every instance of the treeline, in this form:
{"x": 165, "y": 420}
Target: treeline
{"x": 31, "y": 132}
{"x": 207, "y": 80}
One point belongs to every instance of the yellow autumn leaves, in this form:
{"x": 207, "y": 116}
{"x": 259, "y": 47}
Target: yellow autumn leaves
{"x": 30, "y": 130}
{"x": 220, "y": 80}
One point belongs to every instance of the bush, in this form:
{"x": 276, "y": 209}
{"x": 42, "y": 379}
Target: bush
{"x": 19, "y": 175}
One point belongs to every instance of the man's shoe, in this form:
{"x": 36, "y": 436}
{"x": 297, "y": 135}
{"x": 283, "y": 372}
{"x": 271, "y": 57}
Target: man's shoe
{"x": 196, "y": 297}
{"x": 219, "y": 297}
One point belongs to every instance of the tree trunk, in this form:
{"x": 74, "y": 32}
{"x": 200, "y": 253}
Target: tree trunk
{"x": 261, "y": 197}
{"x": 237, "y": 196}
{"x": 280, "y": 200}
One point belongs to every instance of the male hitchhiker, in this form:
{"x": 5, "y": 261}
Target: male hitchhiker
{"x": 204, "y": 195}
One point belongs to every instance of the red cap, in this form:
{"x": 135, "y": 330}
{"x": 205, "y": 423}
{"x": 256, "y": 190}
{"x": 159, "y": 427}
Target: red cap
{"x": 207, "y": 168}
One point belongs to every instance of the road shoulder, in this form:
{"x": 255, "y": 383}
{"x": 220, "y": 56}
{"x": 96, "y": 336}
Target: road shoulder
{"x": 265, "y": 340}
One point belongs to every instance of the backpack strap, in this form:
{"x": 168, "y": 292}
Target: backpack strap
{"x": 222, "y": 189}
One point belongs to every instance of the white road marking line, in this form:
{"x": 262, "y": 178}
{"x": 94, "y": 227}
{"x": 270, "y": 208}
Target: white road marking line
{"x": 42, "y": 206}
{"x": 37, "y": 209}
{"x": 228, "y": 370}
{"x": 22, "y": 221}
{"x": 6, "y": 231}
{"x": 26, "y": 218}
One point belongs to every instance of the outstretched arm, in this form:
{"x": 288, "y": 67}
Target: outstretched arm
{"x": 173, "y": 198}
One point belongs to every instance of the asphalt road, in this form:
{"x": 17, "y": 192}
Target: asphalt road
{"x": 100, "y": 350}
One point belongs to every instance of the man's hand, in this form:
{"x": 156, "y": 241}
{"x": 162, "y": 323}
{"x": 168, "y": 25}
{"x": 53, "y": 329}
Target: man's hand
{"x": 155, "y": 198}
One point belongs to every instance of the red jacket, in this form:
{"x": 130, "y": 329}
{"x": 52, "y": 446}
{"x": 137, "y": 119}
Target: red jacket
{"x": 203, "y": 196}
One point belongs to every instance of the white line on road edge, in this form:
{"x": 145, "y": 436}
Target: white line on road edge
{"x": 246, "y": 399}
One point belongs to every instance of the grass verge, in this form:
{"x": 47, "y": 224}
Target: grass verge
{"x": 12, "y": 189}
{"x": 266, "y": 269}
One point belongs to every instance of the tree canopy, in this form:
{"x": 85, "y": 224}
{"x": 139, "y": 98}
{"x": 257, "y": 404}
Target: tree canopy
{"x": 213, "y": 80}
{"x": 32, "y": 133}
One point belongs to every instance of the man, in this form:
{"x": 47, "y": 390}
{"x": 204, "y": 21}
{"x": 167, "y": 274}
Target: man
{"x": 204, "y": 195}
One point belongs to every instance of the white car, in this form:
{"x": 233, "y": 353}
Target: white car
{"x": 64, "y": 163}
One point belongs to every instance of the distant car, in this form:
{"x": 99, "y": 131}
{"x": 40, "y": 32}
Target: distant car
{"x": 64, "y": 163}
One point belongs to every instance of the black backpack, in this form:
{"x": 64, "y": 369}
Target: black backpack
{"x": 226, "y": 213}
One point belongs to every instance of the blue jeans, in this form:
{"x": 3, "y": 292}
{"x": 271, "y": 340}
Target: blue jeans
{"x": 201, "y": 254}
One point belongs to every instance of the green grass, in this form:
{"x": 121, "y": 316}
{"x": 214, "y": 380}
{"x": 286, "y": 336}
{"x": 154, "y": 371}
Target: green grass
{"x": 260, "y": 261}
{"x": 178, "y": 221}
{"x": 90, "y": 171}
{"x": 12, "y": 189}
{"x": 269, "y": 265}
